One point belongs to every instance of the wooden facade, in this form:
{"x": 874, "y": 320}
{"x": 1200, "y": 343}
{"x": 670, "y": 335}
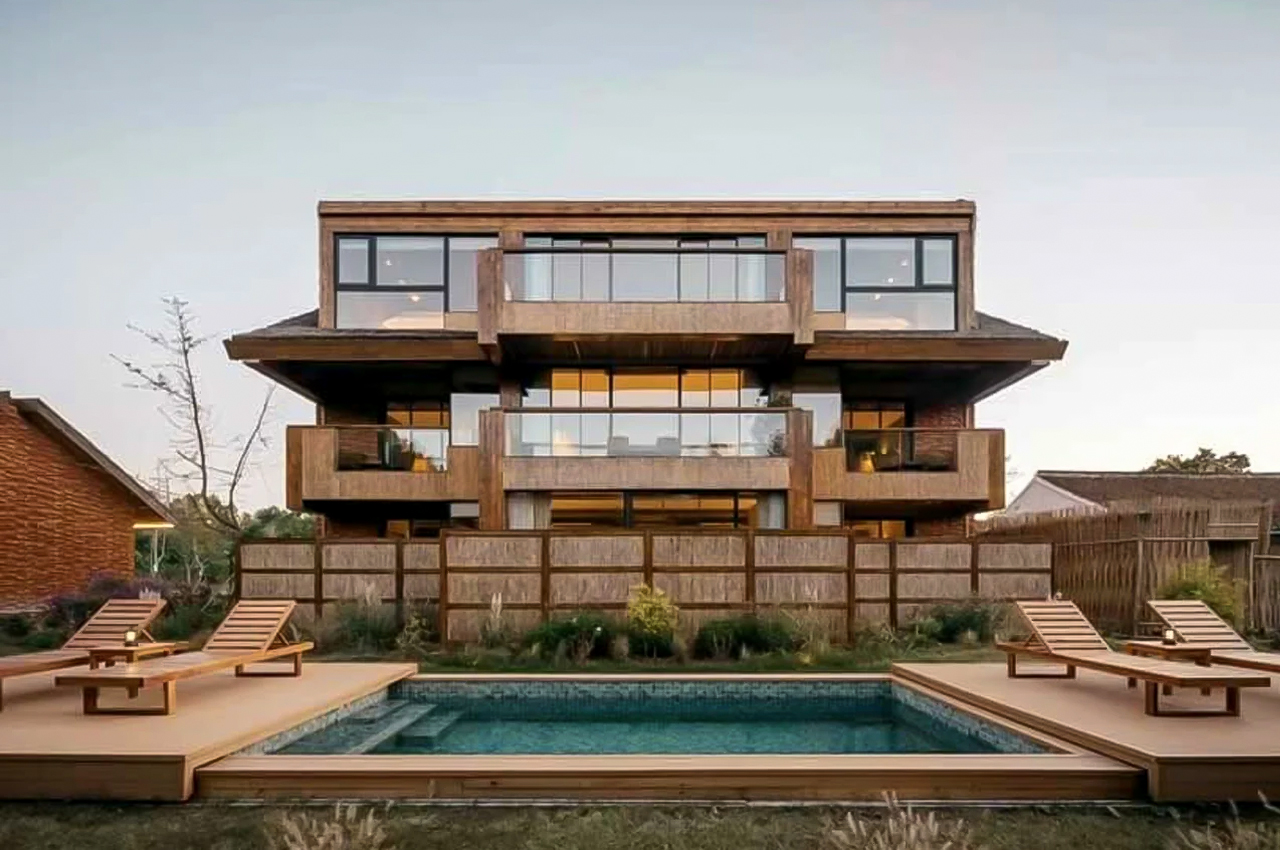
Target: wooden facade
{"x": 776, "y": 321}
{"x": 837, "y": 582}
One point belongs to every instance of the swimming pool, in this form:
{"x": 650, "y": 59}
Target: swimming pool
{"x": 658, "y": 716}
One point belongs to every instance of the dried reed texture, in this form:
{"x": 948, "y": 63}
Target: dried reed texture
{"x": 586, "y": 589}
{"x": 480, "y": 588}
{"x": 367, "y": 557}
{"x": 699, "y": 550}
{"x": 801, "y": 588}
{"x": 707, "y": 588}
{"x": 268, "y": 586}
{"x": 597, "y": 551}
{"x": 278, "y": 556}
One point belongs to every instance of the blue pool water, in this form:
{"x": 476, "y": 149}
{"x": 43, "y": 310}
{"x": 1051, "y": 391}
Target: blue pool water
{"x": 666, "y": 716}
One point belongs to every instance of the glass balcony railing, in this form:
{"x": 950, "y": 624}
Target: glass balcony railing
{"x": 399, "y": 449}
{"x": 901, "y": 450}
{"x": 635, "y": 433}
{"x": 645, "y": 275}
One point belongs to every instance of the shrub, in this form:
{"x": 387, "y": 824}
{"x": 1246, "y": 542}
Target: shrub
{"x": 732, "y": 637}
{"x": 364, "y": 625}
{"x": 951, "y": 622}
{"x": 1204, "y": 581}
{"x": 421, "y": 630}
{"x": 580, "y": 637}
{"x": 344, "y": 830}
{"x": 45, "y": 639}
{"x": 901, "y": 828}
{"x": 651, "y": 622}
{"x": 16, "y": 625}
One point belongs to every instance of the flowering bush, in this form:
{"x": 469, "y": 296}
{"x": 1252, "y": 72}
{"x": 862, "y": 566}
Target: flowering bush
{"x": 651, "y": 622}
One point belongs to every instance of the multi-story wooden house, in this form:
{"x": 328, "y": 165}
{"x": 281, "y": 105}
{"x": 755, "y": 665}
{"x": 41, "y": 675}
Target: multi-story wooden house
{"x": 561, "y": 364}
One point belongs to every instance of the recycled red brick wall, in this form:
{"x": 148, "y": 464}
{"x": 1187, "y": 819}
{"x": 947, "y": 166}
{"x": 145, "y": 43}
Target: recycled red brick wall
{"x": 955, "y": 526}
{"x": 61, "y": 518}
{"x": 941, "y": 416}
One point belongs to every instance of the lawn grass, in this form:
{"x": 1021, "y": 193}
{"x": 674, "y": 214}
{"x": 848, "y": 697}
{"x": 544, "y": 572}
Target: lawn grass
{"x": 75, "y": 826}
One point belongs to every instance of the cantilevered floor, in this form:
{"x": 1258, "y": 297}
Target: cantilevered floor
{"x": 50, "y": 749}
{"x": 1186, "y": 758}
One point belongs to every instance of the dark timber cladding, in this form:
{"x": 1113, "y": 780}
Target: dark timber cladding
{"x": 598, "y": 365}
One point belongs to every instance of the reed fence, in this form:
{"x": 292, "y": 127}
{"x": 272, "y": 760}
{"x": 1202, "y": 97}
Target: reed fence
{"x": 838, "y": 582}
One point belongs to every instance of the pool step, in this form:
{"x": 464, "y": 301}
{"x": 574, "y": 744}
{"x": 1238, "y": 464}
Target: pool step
{"x": 428, "y": 732}
{"x": 377, "y": 712}
{"x": 400, "y": 720}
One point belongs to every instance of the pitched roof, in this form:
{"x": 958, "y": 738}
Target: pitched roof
{"x": 1104, "y": 487}
{"x": 45, "y": 418}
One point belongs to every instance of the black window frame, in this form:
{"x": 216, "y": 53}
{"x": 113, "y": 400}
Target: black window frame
{"x": 917, "y": 286}
{"x": 371, "y": 274}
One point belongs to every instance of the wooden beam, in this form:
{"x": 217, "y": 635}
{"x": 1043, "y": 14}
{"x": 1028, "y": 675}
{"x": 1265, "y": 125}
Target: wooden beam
{"x": 348, "y": 347}
{"x": 645, "y": 208}
{"x": 836, "y": 345}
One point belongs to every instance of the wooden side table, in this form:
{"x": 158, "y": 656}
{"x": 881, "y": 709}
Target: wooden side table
{"x": 110, "y": 654}
{"x": 1198, "y": 655}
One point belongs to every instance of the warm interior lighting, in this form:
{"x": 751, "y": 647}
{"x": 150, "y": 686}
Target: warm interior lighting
{"x": 130, "y": 638}
{"x": 1169, "y": 637}
{"x": 139, "y": 526}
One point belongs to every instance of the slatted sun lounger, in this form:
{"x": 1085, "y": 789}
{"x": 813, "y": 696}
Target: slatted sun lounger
{"x": 250, "y": 634}
{"x": 1061, "y": 634}
{"x": 107, "y": 626}
{"x": 1195, "y": 624}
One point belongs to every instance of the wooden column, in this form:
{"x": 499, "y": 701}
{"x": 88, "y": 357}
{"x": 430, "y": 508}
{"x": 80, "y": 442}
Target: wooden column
{"x": 800, "y": 294}
{"x": 489, "y": 300}
{"x": 493, "y": 506}
{"x": 800, "y": 448}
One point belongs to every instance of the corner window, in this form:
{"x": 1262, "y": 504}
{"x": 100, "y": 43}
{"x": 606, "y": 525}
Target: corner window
{"x": 899, "y": 283}
{"x": 405, "y": 282}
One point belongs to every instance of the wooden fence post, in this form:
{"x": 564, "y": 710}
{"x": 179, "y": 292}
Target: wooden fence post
{"x": 749, "y": 566}
{"x": 851, "y": 589}
{"x": 442, "y": 595}
{"x": 318, "y": 566}
{"x": 1139, "y": 584}
{"x": 544, "y": 592}
{"x": 399, "y": 583}
{"x": 893, "y": 584}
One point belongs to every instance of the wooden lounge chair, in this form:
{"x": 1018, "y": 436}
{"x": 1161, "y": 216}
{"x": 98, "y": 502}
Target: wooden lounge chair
{"x": 1195, "y": 624}
{"x": 107, "y": 626}
{"x": 1062, "y": 635}
{"x": 250, "y": 634}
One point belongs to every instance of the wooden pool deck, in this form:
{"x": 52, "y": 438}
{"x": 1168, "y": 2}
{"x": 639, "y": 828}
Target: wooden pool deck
{"x": 50, "y": 749}
{"x": 1065, "y": 772}
{"x": 1185, "y": 758}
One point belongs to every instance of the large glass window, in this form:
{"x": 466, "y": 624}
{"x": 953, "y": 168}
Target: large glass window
{"x": 645, "y": 269}
{"x": 405, "y": 282}
{"x": 900, "y": 283}
{"x": 664, "y": 510}
{"x": 817, "y": 389}
{"x": 828, "y": 263}
{"x": 877, "y": 529}
{"x": 464, "y": 415}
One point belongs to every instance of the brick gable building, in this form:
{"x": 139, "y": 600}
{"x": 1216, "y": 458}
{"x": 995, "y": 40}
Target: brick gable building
{"x": 66, "y": 510}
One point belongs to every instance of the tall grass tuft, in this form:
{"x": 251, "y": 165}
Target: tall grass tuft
{"x": 345, "y": 829}
{"x": 362, "y": 626}
{"x": 1231, "y": 834}
{"x": 901, "y": 828}
{"x": 1207, "y": 582}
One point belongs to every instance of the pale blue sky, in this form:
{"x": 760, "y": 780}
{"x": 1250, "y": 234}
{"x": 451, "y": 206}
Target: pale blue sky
{"x": 1123, "y": 157}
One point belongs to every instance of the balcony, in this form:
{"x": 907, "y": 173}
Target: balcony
{"x": 377, "y": 463}
{"x": 610, "y": 300}
{"x": 668, "y": 449}
{"x": 903, "y": 467}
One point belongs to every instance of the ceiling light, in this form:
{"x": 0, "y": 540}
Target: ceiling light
{"x": 415, "y": 298}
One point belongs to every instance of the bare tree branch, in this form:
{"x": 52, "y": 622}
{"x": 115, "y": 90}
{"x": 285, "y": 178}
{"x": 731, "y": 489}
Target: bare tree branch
{"x": 174, "y": 378}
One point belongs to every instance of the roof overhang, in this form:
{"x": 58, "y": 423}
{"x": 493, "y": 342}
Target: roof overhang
{"x": 48, "y": 421}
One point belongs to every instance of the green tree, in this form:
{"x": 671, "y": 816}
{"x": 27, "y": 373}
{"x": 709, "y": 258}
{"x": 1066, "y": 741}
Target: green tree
{"x": 1203, "y": 462}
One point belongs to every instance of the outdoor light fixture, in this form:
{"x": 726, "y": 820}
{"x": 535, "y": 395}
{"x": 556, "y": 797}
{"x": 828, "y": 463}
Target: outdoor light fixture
{"x": 130, "y": 638}
{"x": 1169, "y": 637}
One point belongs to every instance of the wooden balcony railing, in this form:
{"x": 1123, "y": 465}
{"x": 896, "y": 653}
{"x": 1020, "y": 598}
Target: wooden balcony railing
{"x": 913, "y": 465}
